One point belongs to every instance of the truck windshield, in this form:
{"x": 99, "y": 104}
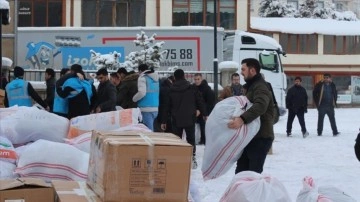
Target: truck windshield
{"x": 269, "y": 61}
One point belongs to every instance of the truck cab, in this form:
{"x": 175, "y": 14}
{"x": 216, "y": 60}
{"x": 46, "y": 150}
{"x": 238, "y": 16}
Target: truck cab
{"x": 267, "y": 50}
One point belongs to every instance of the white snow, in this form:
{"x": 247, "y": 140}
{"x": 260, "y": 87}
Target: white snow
{"x": 4, "y": 5}
{"x": 329, "y": 160}
{"x": 229, "y": 65}
{"x": 306, "y": 26}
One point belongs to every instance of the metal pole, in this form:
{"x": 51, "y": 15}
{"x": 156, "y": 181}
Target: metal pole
{"x": 215, "y": 53}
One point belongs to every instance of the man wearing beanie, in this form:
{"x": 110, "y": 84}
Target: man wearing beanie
{"x": 19, "y": 92}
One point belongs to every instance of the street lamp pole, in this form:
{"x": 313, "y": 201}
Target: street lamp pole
{"x": 215, "y": 53}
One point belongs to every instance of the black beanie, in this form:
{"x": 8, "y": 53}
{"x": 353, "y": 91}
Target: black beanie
{"x": 18, "y": 72}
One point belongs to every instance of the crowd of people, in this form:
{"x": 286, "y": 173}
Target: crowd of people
{"x": 173, "y": 104}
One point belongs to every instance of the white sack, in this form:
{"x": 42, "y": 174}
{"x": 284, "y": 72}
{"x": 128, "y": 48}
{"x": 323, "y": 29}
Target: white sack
{"x": 7, "y": 170}
{"x": 83, "y": 141}
{"x": 53, "y": 161}
{"x": 25, "y": 124}
{"x": 249, "y": 186}
{"x": 311, "y": 193}
{"x": 224, "y": 146}
{"x": 103, "y": 121}
{"x": 7, "y": 151}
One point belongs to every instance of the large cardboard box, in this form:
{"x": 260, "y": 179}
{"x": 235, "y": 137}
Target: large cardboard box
{"x": 2, "y": 97}
{"x": 137, "y": 166}
{"x": 26, "y": 190}
{"x": 73, "y": 191}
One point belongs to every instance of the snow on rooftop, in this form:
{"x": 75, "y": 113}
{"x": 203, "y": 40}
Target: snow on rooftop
{"x": 306, "y": 26}
{"x": 4, "y": 5}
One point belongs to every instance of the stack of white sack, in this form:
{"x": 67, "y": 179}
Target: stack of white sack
{"x": 249, "y": 186}
{"x": 8, "y": 159}
{"x": 224, "y": 146}
{"x": 26, "y": 124}
{"x": 83, "y": 141}
{"x": 103, "y": 121}
{"x": 53, "y": 161}
{"x": 311, "y": 193}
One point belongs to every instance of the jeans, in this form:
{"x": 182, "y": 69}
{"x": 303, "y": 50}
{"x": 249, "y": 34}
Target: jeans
{"x": 329, "y": 110}
{"x": 148, "y": 119}
{"x": 254, "y": 155}
{"x": 201, "y": 122}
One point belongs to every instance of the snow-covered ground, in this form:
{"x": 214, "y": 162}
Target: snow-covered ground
{"x": 328, "y": 160}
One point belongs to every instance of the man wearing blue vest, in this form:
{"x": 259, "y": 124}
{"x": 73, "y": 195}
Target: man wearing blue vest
{"x": 19, "y": 92}
{"x": 76, "y": 94}
{"x": 147, "y": 96}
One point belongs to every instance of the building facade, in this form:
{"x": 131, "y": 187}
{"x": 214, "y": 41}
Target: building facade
{"x": 308, "y": 54}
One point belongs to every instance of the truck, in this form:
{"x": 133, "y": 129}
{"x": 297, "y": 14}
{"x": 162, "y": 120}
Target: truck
{"x": 190, "y": 48}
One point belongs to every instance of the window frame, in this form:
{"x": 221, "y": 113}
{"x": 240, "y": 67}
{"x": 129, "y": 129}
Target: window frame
{"x": 32, "y": 6}
{"x": 114, "y": 20}
{"x": 339, "y": 45}
{"x": 204, "y": 12}
{"x": 301, "y": 46}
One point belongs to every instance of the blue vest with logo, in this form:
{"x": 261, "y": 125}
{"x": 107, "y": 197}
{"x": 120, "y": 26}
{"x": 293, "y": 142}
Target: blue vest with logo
{"x": 61, "y": 105}
{"x": 17, "y": 93}
{"x": 151, "y": 98}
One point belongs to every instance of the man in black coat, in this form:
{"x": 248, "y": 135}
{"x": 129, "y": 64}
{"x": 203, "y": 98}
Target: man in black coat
{"x": 50, "y": 87}
{"x": 325, "y": 97}
{"x": 184, "y": 100}
{"x": 209, "y": 100}
{"x": 296, "y": 103}
{"x": 165, "y": 85}
{"x": 106, "y": 93}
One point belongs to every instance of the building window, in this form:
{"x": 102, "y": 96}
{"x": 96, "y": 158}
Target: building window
{"x": 201, "y": 12}
{"x": 299, "y": 43}
{"x": 41, "y": 13}
{"x": 295, "y": 3}
{"x": 113, "y": 13}
{"x": 341, "y": 45}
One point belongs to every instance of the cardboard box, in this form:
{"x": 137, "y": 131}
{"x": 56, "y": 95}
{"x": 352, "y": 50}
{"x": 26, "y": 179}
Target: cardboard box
{"x": 73, "y": 191}
{"x": 2, "y": 97}
{"x": 26, "y": 190}
{"x": 137, "y": 166}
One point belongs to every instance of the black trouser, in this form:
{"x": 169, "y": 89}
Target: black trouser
{"x": 329, "y": 110}
{"x": 254, "y": 155}
{"x": 201, "y": 122}
{"x": 291, "y": 116}
{"x": 190, "y": 135}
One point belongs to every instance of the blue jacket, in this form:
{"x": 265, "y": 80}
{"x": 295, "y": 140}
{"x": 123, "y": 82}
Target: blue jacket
{"x": 151, "y": 98}
{"x": 61, "y": 105}
{"x": 17, "y": 93}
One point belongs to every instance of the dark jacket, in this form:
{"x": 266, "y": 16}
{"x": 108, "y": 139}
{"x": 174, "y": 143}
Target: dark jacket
{"x": 165, "y": 86}
{"x": 208, "y": 95}
{"x": 50, "y": 92}
{"x": 318, "y": 93}
{"x": 260, "y": 96}
{"x": 236, "y": 90}
{"x": 183, "y": 102}
{"x": 32, "y": 93}
{"x": 296, "y": 99}
{"x": 127, "y": 90}
{"x": 106, "y": 97}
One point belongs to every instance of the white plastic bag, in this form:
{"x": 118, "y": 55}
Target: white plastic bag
{"x": 103, "y": 121}
{"x": 53, "y": 161}
{"x": 224, "y": 146}
{"x": 311, "y": 193}
{"x": 7, "y": 170}
{"x": 249, "y": 186}
{"x": 7, "y": 151}
{"x": 25, "y": 124}
{"x": 82, "y": 142}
